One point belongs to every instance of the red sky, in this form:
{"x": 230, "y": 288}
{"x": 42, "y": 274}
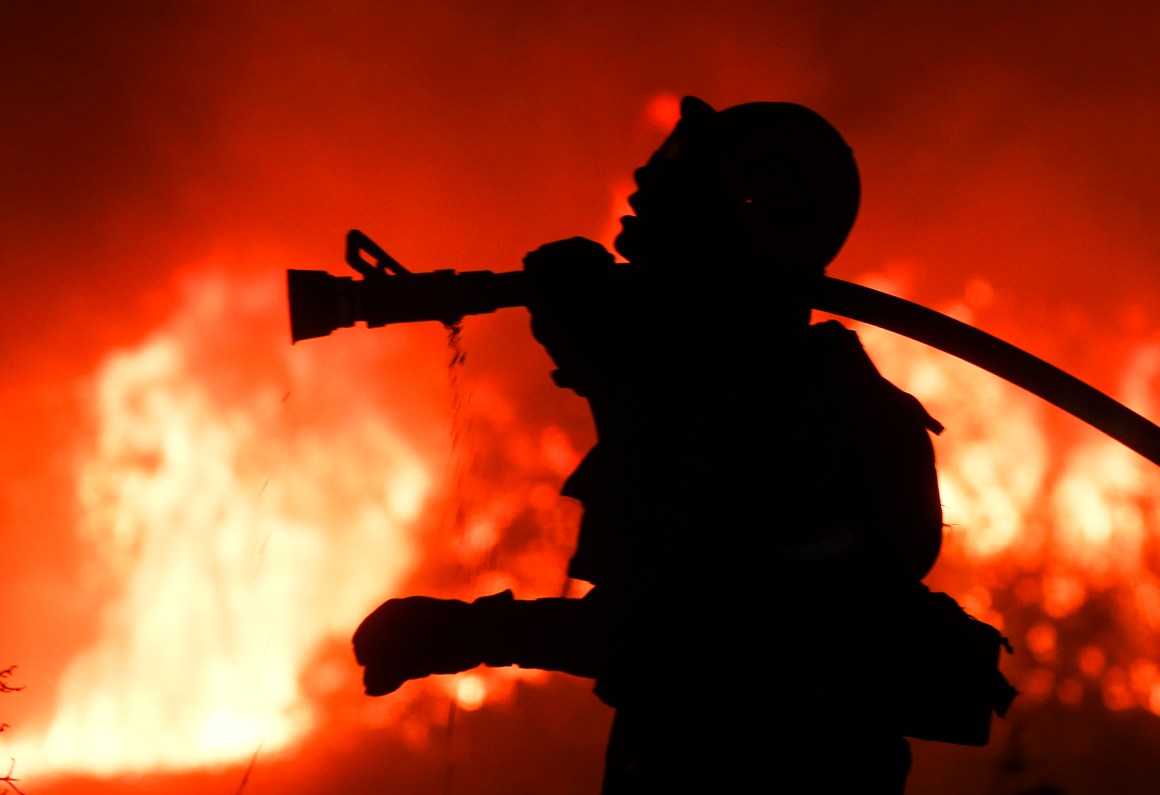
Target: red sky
{"x": 150, "y": 150}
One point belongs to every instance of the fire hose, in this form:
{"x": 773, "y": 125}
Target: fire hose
{"x": 388, "y": 293}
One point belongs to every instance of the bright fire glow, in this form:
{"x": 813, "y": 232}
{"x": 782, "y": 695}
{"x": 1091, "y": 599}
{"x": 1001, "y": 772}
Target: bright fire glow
{"x": 239, "y": 518}
{"x": 246, "y": 502}
{"x": 236, "y": 486}
{"x": 1046, "y": 538}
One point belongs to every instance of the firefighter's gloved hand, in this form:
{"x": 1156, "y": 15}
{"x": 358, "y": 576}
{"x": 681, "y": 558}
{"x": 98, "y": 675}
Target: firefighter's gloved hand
{"x": 417, "y": 636}
{"x": 563, "y": 265}
{"x": 568, "y": 287}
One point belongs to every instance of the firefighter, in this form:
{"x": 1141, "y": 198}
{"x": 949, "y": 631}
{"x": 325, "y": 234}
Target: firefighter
{"x": 760, "y": 499}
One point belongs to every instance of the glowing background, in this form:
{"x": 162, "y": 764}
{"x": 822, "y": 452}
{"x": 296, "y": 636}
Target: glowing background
{"x": 196, "y": 514}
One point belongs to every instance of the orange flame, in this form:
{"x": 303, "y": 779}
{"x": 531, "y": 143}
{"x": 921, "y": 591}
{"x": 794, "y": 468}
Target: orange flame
{"x": 232, "y": 527}
{"x": 247, "y": 502}
{"x": 1043, "y": 532}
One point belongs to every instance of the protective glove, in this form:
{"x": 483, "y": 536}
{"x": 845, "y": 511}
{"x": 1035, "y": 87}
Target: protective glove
{"x": 569, "y": 282}
{"x": 564, "y": 264}
{"x": 417, "y": 636}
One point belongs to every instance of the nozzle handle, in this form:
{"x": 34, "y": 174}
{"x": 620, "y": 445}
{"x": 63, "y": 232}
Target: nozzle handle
{"x": 381, "y": 263}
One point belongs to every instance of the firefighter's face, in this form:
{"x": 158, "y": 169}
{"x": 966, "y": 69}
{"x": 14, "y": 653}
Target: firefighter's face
{"x": 694, "y": 206}
{"x": 676, "y": 208}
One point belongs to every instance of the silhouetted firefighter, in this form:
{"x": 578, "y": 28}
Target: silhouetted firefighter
{"x": 760, "y": 508}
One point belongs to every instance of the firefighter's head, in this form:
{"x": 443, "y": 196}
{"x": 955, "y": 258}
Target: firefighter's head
{"x": 765, "y": 182}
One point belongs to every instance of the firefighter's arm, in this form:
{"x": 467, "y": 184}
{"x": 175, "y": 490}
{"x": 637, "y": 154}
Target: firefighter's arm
{"x": 417, "y": 636}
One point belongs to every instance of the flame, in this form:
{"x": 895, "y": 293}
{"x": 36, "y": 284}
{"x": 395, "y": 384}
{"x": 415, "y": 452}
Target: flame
{"x": 233, "y": 513}
{"x": 1050, "y": 535}
{"x": 234, "y": 485}
{"x": 246, "y": 502}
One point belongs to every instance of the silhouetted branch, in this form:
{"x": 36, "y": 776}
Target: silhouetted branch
{"x": 4, "y": 686}
{"x": 250, "y": 768}
{"x": 9, "y": 781}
